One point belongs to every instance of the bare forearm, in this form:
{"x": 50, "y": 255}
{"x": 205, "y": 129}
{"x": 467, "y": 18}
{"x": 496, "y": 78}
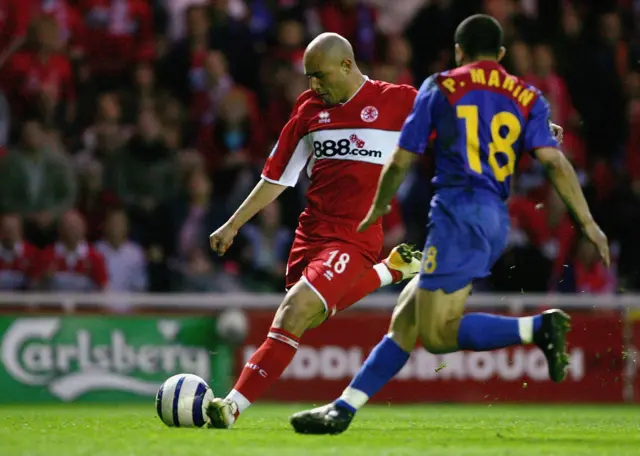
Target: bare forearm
{"x": 261, "y": 196}
{"x": 565, "y": 181}
{"x": 390, "y": 180}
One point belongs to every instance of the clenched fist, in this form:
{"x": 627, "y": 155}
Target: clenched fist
{"x": 222, "y": 238}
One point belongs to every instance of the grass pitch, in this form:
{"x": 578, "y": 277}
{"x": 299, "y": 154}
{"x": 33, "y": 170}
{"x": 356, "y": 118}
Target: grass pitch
{"x": 95, "y": 430}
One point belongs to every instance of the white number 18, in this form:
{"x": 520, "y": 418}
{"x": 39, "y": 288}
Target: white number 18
{"x": 341, "y": 264}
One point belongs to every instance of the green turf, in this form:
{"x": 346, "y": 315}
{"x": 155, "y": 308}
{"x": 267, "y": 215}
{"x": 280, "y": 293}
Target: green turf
{"x": 94, "y": 430}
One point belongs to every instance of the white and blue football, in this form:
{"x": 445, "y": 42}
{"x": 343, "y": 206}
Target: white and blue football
{"x": 182, "y": 399}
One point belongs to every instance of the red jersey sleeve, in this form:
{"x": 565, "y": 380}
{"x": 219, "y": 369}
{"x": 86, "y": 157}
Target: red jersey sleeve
{"x": 291, "y": 152}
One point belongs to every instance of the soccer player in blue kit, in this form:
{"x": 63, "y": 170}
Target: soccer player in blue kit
{"x": 484, "y": 119}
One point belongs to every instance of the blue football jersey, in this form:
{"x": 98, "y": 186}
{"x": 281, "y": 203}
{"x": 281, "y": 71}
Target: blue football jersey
{"x": 483, "y": 119}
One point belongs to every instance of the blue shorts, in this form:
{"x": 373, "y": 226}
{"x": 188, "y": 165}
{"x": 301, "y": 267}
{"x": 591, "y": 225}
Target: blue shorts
{"x": 467, "y": 234}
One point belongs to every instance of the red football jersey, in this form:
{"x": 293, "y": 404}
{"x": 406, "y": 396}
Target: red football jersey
{"x": 19, "y": 266}
{"x": 81, "y": 270}
{"x": 343, "y": 148}
{"x": 30, "y": 74}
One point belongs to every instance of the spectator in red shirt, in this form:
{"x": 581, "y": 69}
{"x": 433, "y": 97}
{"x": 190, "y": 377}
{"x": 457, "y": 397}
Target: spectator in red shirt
{"x": 586, "y": 273}
{"x": 43, "y": 76}
{"x": 119, "y": 33}
{"x": 527, "y": 223}
{"x": 72, "y": 264}
{"x": 18, "y": 259}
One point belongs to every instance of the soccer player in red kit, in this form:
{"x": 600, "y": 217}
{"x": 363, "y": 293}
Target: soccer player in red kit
{"x": 341, "y": 131}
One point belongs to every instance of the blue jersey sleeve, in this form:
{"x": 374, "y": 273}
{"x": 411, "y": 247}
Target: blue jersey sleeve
{"x": 538, "y": 132}
{"x": 417, "y": 128}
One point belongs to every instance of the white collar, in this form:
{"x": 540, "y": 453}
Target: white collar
{"x": 366, "y": 78}
{"x": 81, "y": 250}
{"x": 9, "y": 254}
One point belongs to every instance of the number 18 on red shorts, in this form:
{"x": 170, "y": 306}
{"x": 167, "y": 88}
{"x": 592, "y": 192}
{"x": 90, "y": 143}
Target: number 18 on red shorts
{"x": 330, "y": 269}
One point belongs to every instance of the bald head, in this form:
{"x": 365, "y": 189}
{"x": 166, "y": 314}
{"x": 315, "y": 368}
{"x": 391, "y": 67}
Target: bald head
{"x": 330, "y": 65}
{"x": 330, "y": 45}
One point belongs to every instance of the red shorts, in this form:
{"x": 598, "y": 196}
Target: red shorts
{"x": 330, "y": 269}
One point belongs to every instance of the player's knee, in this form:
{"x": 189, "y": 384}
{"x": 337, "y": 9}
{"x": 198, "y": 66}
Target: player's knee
{"x": 301, "y": 309}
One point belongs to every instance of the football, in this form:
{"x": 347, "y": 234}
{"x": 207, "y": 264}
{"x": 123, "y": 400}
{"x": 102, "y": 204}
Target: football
{"x": 182, "y": 399}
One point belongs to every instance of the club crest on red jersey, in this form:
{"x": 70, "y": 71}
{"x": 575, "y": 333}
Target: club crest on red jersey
{"x": 369, "y": 114}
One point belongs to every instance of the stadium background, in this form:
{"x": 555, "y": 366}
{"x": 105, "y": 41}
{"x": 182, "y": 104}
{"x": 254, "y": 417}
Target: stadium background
{"x": 134, "y": 128}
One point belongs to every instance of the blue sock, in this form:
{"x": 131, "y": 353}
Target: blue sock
{"x": 384, "y": 362}
{"x": 480, "y": 332}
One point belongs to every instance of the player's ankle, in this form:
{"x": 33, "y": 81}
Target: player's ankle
{"x": 527, "y": 328}
{"x": 387, "y": 274}
{"x": 239, "y": 401}
{"x": 342, "y": 404}
{"x": 351, "y": 399}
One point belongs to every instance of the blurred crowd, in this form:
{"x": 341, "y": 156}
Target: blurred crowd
{"x": 130, "y": 129}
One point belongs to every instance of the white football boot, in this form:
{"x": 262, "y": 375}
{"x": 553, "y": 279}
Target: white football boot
{"x": 222, "y": 413}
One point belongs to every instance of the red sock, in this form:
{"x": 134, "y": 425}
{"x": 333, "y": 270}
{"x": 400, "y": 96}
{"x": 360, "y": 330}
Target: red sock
{"x": 376, "y": 277}
{"x": 265, "y": 367}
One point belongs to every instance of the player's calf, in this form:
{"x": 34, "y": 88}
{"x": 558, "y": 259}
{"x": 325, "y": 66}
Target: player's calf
{"x": 386, "y": 360}
{"x": 404, "y": 326}
{"x": 443, "y": 329}
{"x": 439, "y": 315}
{"x": 301, "y": 308}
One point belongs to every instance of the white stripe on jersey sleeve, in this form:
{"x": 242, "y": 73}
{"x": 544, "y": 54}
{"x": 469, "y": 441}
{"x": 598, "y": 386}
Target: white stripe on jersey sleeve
{"x": 291, "y": 172}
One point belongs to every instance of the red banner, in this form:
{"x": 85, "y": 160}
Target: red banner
{"x": 330, "y": 355}
{"x": 631, "y": 355}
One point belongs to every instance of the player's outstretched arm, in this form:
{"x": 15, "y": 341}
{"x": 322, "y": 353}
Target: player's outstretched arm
{"x": 393, "y": 174}
{"x": 262, "y": 195}
{"x": 565, "y": 180}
